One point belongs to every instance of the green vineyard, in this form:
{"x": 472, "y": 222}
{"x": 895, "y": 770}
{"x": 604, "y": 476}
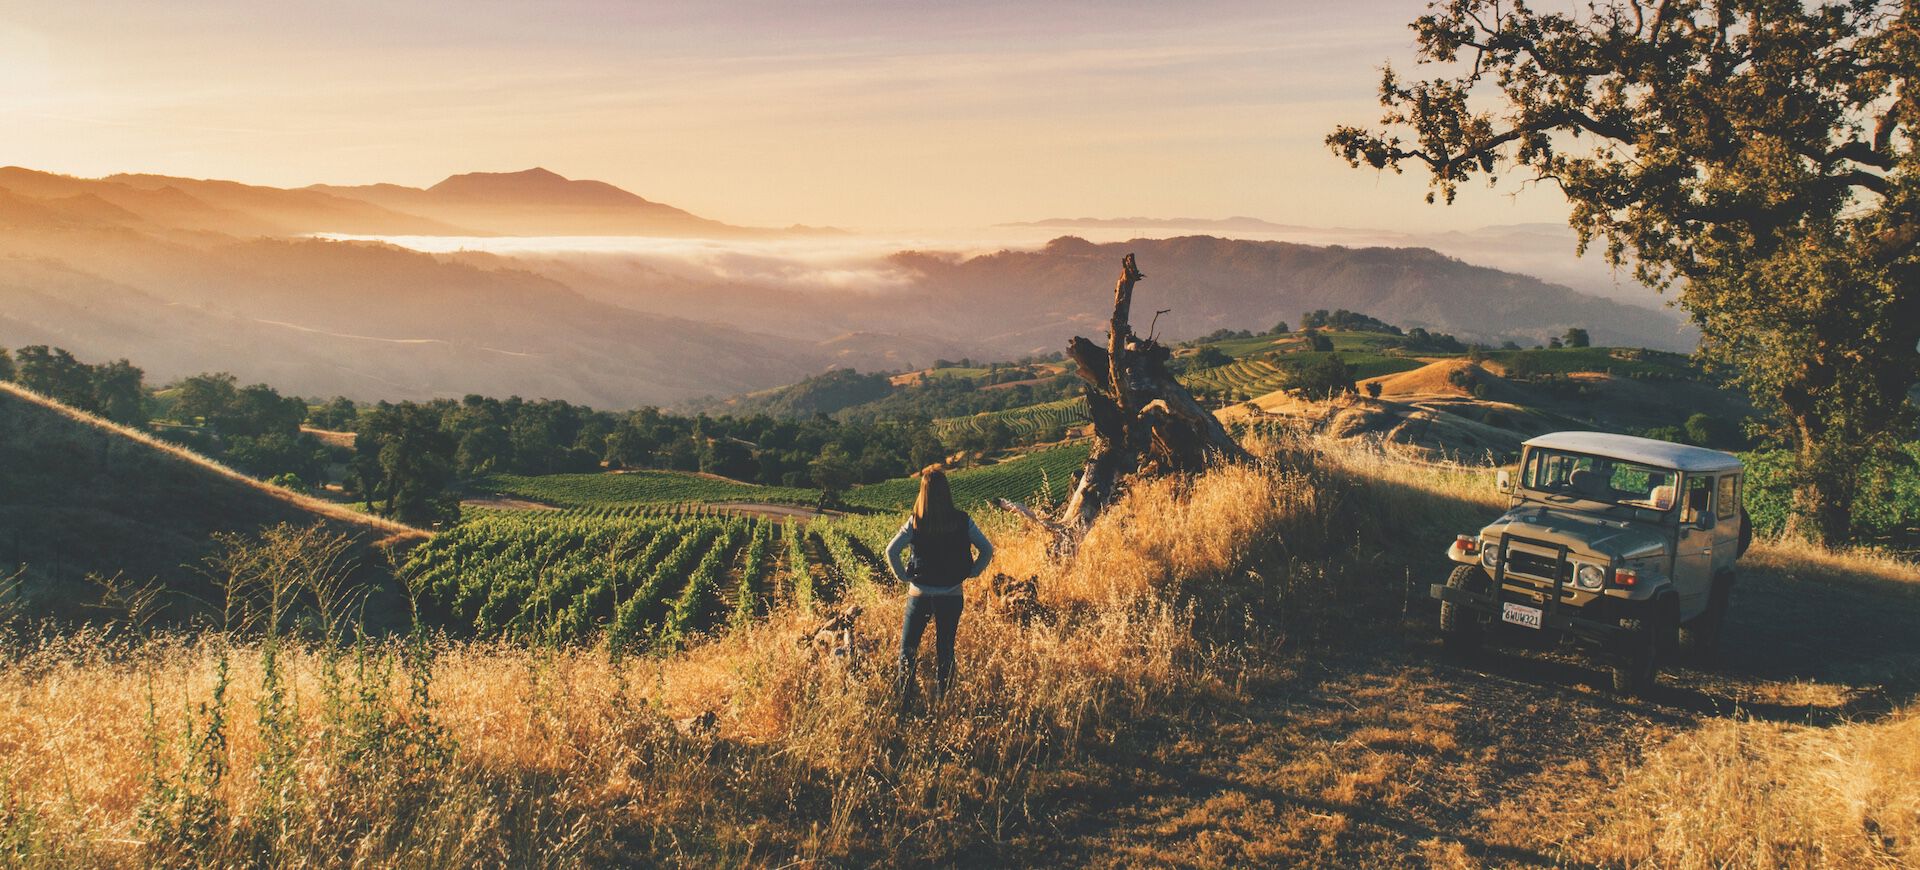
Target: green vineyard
{"x": 1046, "y": 418}
{"x": 1252, "y": 378}
{"x": 640, "y": 488}
{"x": 1249, "y": 377}
{"x": 637, "y": 582}
{"x": 1043, "y": 475}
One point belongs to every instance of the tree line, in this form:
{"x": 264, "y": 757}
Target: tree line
{"x": 408, "y": 455}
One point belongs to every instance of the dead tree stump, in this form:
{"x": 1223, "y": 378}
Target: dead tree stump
{"x": 1144, "y": 421}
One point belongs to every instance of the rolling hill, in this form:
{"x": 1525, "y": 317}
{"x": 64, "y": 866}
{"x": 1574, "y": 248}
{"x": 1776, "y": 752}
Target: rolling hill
{"x": 1212, "y": 283}
{"x": 195, "y": 275}
{"x": 81, "y": 497}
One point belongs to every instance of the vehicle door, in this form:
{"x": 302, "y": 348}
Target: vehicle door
{"x": 1726, "y": 529}
{"x": 1695, "y": 548}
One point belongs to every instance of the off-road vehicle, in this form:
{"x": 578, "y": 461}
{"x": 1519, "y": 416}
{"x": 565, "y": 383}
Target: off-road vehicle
{"x": 1621, "y": 542}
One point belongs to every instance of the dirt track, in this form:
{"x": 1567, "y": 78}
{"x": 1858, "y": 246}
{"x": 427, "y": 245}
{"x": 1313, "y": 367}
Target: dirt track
{"x": 1394, "y": 754}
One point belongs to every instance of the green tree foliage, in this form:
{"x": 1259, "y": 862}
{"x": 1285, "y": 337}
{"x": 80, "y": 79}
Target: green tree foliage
{"x": 1760, "y": 153}
{"x": 204, "y": 397}
{"x": 1208, "y": 357}
{"x": 338, "y": 415}
{"x": 1279, "y": 329}
{"x": 113, "y": 390}
{"x": 1526, "y": 364}
{"x": 1577, "y": 337}
{"x": 1419, "y": 339}
{"x": 119, "y": 394}
{"x": 1325, "y": 378}
{"x": 403, "y": 462}
{"x": 275, "y": 454}
{"x": 54, "y": 373}
{"x": 828, "y": 393}
{"x": 728, "y": 458}
{"x": 252, "y": 428}
{"x": 1708, "y": 430}
{"x": 1318, "y": 342}
{"x": 1344, "y": 319}
{"x": 6, "y": 365}
{"x": 832, "y": 471}
{"x": 1223, "y": 334}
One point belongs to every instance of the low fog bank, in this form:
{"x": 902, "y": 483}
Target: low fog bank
{"x": 867, "y": 263}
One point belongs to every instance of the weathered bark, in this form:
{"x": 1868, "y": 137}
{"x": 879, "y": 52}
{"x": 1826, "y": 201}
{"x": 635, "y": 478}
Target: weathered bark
{"x": 1144, "y": 421}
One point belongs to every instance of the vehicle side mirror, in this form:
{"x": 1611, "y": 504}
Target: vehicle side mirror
{"x": 1503, "y": 481}
{"x": 1705, "y": 521}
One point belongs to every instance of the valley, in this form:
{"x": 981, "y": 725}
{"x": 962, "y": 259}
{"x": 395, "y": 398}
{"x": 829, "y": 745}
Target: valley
{"x": 1409, "y": 434}
{"x": 193, "y": 275}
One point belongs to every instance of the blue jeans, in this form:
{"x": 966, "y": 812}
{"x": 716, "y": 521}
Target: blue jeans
{"x": 944, "y": 610}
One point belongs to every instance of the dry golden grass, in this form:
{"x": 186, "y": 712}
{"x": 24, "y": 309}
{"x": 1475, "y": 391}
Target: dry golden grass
{"x": 574, "y": 756}
{"x": 1744, "y": 792}
{"x": 484, "y": 754}
{"x": 1795, "y": 559}
{"x": 1756, "y": 794}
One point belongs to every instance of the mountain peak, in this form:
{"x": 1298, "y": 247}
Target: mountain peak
{"x": 535, "y": 186}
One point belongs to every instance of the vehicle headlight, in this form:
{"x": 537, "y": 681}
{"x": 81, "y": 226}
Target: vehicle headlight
{"x": 1490, "y": 555}
{"x": 1589, "y": 576}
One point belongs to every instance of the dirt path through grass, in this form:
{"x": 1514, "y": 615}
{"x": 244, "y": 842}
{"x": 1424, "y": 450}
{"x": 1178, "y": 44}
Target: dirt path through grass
{"x": 1392, "y": 754}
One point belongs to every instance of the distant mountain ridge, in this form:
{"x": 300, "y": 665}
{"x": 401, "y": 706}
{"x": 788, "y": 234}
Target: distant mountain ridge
{"x": 1238, "y": 223}
{"x": 538, "y": 202}
{"x": 532, "y": 202}
{"x": 190, "y": 275}
{"x": 1542, "y": 249}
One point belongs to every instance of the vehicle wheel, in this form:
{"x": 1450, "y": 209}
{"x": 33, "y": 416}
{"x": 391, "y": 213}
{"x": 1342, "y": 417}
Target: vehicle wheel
{"x": 1700, "y": 637}
{"x": 1460, "y": 629}
{"x": 1746, "y": 533}
{"x": 1636, "y": 665}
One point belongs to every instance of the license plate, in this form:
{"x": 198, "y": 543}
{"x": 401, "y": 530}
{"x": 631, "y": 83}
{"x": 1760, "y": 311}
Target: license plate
{"x": 1520, "y": 614}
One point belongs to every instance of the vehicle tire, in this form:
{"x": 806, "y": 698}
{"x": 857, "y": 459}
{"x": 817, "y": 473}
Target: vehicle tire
{"x": 1636, "y": 664}
{"x": 1460, "y": 629}
{"x": 1746, "y": 533}
{"x": 1699, "y": 638}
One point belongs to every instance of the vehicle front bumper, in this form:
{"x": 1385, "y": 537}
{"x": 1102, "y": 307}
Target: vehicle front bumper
{"x": 1597, "y": 622}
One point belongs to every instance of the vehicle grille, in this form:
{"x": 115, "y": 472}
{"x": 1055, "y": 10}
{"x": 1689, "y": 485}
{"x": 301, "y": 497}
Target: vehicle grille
{"x": 1535, "y": 565}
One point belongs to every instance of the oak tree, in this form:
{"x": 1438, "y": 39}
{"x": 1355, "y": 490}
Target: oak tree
{"x": 1757, "y": 154}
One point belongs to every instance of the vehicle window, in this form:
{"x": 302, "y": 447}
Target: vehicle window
{"x": 1598, "y": 478}
{"x": 1699, "y": 499}
{"x": 1729, "y": 497}
{"x": 1632, "y": 478}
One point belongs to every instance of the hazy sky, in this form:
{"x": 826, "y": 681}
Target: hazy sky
{"x": 856, "y": 113}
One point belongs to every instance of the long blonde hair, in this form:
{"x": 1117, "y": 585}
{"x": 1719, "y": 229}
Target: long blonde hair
{"x": 934, "y": 508}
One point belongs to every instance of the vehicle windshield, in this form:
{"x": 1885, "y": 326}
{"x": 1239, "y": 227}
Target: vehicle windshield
{"x": 1563, "y": 476}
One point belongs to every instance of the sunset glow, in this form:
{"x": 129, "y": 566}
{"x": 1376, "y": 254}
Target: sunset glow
{"x": 867, "y": 115}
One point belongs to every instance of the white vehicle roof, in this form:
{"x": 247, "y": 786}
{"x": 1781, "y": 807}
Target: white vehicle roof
{"x": 1645, "y": 451}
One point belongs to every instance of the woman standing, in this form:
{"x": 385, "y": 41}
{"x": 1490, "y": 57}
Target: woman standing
{"x": 943, "y": 538}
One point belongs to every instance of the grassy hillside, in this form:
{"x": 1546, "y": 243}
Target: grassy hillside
{"x": 1236, "y": 674}
{"x": 80, "y": 496}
